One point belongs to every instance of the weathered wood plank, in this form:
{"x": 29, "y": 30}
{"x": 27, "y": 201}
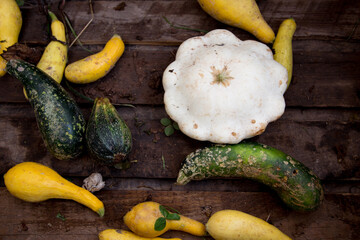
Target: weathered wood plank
{"x": 142, "y": 22}
{"x": 337, "y": 186}
{"x": 318, "y": 138}
{"x": 320, "y": 127}
{"x": 337, "y": 218}
{"x": 325, "y": 75}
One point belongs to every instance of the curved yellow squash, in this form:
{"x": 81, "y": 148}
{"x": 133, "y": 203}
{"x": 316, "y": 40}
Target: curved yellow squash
{"x": 283, "y": 46}
{"x": 117, "y": 234}
{"x": 244, "y": 14}
{"x": 96, "y": 66}
{"x": 54, "y": 58}
{"x": 237, "y": 225}
{"x": 142, "y": 217}
{"x": 34, "y": 182}
{"x": 10, "y": 26}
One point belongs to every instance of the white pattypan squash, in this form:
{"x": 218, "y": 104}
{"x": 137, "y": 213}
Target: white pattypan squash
{"x": 222, "y": 89}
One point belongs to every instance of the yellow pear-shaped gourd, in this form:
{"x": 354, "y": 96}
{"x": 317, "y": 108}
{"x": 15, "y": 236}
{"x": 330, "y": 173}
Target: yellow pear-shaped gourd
{"x": 96, "y": 66}
{"x": 244, "y": 14}
{"x": 283, "y": 46}
{"x": 10, "y": 26}
{"x": 34, "y": 182}
{"x": 237, "y": 225}
{"x": 141, "y": 220}
{"x": 54, "y": 58}
{"x": 118, "y": 234}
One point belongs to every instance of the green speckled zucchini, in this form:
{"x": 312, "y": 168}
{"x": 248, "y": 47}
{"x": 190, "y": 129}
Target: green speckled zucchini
{"x": 295, "y": 184}
{"x": 107, "y": 136}
{"x": 59, "y": 119}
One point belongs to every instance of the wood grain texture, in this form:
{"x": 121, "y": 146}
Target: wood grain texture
{"x": 320, "y": 127}
{"x": 325, "y": 75}
{"x": 337, "y": 218}
{"x": 142, "y": 22}
{"x": 315, "y": 137}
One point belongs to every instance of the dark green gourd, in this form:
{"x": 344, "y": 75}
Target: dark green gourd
{"x": 58, "y": 117}
{"x": 297, "y": 186}
{"x": 107, "y": 136}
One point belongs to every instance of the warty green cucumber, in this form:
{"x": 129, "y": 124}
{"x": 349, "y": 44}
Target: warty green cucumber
{"x": 297, "y": 186}
{"x": 107, "y": 136}
{"x": 58, "y": 117}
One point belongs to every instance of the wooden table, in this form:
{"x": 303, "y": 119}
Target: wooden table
{"x": 320, "y": 127}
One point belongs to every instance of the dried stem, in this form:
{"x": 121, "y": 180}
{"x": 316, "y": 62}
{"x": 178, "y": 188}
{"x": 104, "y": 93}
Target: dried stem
{"x": 81, "y": 32}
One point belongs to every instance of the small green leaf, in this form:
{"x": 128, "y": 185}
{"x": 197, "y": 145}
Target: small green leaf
{"x": 20, "y": 3}
{"x": 173, "y": 209}
{"x": 160, "y": 224}
{"x": 169, "y": 130}
{"x": 173, "y": 216}
{"x": 165, "y": 121}
{"x": 60, "y": 217}
{"x": 176, "y": 126}
{"x": 163, "y": 211}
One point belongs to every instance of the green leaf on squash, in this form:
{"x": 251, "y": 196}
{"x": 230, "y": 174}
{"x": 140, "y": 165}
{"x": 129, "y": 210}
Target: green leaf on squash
{"x": 173, "y": 216}
{"x": 169, "y": 130}
{"x": 163, "y": 211}
{"x": 160, "y": 224}
{"x": 165, "y": 121}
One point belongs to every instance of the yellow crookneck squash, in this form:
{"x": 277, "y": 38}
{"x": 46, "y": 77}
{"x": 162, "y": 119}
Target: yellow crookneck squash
{"x": 142, "y": 218}
{"x": 10, "y": 26}
{"x": 244, "y": 14}
{"x": 118, "y": 234}
{"x": 53, "y": 60}
{"x": 96, "y": 66}
{"x": 34, "y": 182}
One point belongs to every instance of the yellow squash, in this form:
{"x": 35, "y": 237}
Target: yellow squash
{"x": 142, "y": 217}
{"x": 117, "y": 234}
{"x": 244, "y": 14}
{"x": 10, "y": 26}
{"x": 34, "y": 182}
{"x": 54, "y": 58}
{"x": 96, "y": 66}
{"x": 283, "y": 46}
{"x": 236, "y": 225}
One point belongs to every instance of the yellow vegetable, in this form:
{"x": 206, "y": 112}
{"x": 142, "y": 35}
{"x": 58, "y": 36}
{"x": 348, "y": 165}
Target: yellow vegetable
{"x": 10, "y": 26}
{"x": 244, "y": 14}
{"x": 236, "y": 225}
{"x": 34, "y": 182}
{"x": 141, "y": 220}
{"x": 96, "y": 66}
{"x": 115, "y": 234}
{"x": 283, "y": 46}
{"x": 54, "y": 58}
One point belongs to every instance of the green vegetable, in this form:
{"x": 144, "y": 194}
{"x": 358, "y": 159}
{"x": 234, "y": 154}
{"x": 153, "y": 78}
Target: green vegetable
{"x": 107, "y": 136}
{"x": 59, "y": 119}
{"x": 295, "y": 184}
